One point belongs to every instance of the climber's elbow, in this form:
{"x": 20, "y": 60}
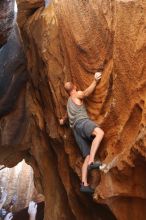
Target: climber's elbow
{"x": 86, "y": 93}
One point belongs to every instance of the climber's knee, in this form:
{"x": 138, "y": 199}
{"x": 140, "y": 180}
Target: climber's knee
{"x": 87, "y": 157}
{"x": 98, "y": 132}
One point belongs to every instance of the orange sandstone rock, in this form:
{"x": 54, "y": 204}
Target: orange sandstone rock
{"x": 70, "y": 40}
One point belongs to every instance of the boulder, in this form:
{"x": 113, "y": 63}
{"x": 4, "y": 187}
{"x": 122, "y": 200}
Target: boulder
{"x": 70, "y": 41}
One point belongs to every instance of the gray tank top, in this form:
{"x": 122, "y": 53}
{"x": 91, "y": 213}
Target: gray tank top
{"x": 75, "y": 112}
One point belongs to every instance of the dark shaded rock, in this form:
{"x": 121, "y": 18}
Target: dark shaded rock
{"x": 6, "y": 19}
{"x": 13, "y": 73}
{"x": 13, "y": 78}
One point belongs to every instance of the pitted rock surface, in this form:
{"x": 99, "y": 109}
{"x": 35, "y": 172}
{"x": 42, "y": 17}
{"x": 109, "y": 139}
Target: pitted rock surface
{"x": 70, "y": 40}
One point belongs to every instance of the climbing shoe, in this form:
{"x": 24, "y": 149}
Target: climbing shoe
{"x": 86, "y": 189}
{"x": 95, "y": 165}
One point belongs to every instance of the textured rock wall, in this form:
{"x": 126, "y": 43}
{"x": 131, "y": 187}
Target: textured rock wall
{"x": 13, "y": 77}
{"x": 18, "y": 181}
{"x": 6, "y": 19}
{"x": 70, "y": 40}
{"x": 13, "y": 115}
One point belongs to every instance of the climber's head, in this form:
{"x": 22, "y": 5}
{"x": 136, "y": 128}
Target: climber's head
{"x": 69, "y": 87}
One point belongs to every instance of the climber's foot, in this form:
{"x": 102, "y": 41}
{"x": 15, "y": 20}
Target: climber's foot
{"x": 86, "y": 189}
{"x": 95, "y": 165}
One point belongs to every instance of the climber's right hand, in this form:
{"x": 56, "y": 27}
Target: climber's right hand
{"x": 97, "y": 76}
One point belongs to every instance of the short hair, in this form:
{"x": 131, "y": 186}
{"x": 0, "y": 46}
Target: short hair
{"x": 68, "y": 87}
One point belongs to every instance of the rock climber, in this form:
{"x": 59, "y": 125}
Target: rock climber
{"x": 85, "y": 130}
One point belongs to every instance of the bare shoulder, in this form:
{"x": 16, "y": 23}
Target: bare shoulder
{"x": 80, "y": 94}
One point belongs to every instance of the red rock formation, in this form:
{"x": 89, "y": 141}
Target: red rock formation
{"x": 71, "y": 40}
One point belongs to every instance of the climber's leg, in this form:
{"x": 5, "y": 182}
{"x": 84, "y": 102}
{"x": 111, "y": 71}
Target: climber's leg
{"x": 85, "y": 150}
{"x": 85, "y": 186}
{"x": 84, "y": 171}
{"x": 98, "y": 133}
{"x": 84, "y": 131}
{"x": 83, "y": 145}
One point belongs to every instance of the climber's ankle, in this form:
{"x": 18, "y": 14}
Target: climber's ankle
{"x": 90, "y": 161}
{"x": 85, "y": 183}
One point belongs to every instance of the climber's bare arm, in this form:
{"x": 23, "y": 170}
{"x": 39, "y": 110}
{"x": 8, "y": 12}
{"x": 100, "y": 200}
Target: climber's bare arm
{"x": 88, "y": 91}
{"x": 91, "y": 88}
{"x": 63, "y": 120}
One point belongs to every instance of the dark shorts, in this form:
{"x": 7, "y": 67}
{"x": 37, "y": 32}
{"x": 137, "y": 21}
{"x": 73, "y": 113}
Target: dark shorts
{"x": 83, "y": 135}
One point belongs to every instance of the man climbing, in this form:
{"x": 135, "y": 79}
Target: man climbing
{"x": 83, "y": 128}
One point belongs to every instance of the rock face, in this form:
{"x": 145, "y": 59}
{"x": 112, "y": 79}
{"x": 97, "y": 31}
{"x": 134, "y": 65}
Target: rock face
{"x": 13, "y": 77}
{"x": 6, "y": 19}
{"x": 70, "y": 40}
{"x": 12, "y": 179}
{"x": 13, "y": 114}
